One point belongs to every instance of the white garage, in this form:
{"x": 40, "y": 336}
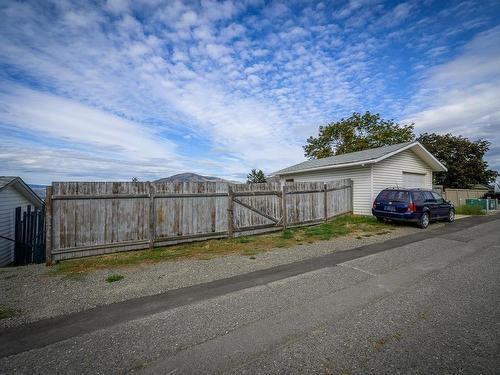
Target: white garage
{"x": 407, "y": 165}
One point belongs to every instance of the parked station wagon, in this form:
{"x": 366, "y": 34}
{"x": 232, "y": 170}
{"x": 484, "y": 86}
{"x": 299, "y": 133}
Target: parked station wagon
{"x": 412, "y": 205}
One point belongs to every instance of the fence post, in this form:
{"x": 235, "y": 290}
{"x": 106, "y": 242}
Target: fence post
{"x": 152, "y": 231}
{"x": 283, "y": 205}
{"x": 48, "y": 226}
{"x": 230, "y": 211}
{"x": 325, "y": 204}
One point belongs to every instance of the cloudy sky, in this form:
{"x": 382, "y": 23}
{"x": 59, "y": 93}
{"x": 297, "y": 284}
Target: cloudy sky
{"x": 146, "y": 88}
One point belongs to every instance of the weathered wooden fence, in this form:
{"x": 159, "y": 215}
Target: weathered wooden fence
{"x": 458, "y": 196}
{"x": 91, "y": 218}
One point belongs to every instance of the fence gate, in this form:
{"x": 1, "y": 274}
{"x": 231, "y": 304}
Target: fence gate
{"x": 29, "y": 236}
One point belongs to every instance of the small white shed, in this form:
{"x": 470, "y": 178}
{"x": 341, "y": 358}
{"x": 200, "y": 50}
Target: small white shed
{"x": 402, "y": 165}
{"x": 13, "y": 193}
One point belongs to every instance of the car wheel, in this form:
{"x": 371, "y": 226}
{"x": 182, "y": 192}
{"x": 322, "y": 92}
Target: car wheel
{"x": 424, "y": 221}
{"x": 451, "y": 216}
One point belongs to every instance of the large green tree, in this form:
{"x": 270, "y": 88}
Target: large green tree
{"x": 256, "y": 176}
{"x": 462, "y": 157}
{"x": 356, "y": 133}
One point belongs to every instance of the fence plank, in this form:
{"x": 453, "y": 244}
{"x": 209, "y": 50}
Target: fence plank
{"x": 48, "y": 225}
{"x": 230, "y": 212}
{"x": 90, "y": 218}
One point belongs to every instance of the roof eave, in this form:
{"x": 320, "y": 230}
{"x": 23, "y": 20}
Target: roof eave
{"x": 25, "y": 190}
{"x": 331, "y": 166}
{"x": 435, "y": 164}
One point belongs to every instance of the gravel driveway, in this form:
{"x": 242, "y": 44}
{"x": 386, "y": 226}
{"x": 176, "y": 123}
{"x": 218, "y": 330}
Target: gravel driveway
{"x": 34, "y": 293}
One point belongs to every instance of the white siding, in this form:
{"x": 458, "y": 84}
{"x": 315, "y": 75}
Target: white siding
{"x": 10, "y": 198}
{"x": 361, "y": 184}
{"x": 389, "y": 172}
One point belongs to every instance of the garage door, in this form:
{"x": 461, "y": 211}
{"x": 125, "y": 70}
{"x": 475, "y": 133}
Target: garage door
{"x": 413, "y": 180}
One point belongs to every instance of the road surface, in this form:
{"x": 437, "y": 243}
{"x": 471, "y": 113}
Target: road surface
{"x": 426, "y": 303}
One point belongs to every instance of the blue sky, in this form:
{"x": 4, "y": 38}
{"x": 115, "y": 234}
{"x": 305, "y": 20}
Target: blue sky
{"x": 116, "y": 89}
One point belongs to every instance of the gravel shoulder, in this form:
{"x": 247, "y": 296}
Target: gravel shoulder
{"x": 34, "y": 293}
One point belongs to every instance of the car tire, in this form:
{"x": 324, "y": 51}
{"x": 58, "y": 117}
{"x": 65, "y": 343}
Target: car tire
{"x": 451, "y": 216}
{"x": 423, "y": 223}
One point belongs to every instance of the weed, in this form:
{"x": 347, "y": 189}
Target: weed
{"x": 114, "y": 277}
{"x": 281, "y": 243}
{"x": 243, "y": 240}
{"x": 287, "y": 234}
{"x": 469, "y": 210}
{"x": 327, "y": 230}
{"x": 7, "y": 312}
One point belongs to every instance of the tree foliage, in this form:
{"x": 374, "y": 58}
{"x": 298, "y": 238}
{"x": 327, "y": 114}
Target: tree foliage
{"x": 256, "y": 176}
{"x": 356, "y": 133}
{"x": 462, "y": 157}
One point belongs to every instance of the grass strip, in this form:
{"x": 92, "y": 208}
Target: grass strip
{"x": 248, "y": 246}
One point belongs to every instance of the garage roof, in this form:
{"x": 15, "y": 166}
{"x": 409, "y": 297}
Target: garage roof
{"x": 370, "y": 156}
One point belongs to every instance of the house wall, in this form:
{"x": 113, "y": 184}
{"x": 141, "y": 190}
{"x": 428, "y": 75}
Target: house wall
{"x": 389, "y": 172}
{"x": 10, "y": 198}
{"x": 361, "y": 184}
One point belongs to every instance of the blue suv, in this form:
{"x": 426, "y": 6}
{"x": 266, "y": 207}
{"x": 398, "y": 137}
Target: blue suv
{"x": 412, "y": 205}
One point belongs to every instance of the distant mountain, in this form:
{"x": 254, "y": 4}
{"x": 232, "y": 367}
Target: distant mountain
{"x": 39, "y": 190}
{"x": 191, "y": 177}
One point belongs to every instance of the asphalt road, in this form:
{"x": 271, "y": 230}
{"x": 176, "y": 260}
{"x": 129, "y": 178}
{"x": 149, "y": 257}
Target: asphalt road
{"x": 426, "y": 303}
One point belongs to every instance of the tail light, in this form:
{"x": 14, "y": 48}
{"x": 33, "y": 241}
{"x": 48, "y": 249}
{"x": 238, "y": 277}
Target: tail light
{"x": 412, "y": 207}
{"x": 374, "y": 206}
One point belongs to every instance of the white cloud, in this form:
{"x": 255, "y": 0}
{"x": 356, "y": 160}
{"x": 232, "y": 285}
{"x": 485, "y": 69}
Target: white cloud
{"x": 65, "y": 120}
{"x": 462, "y": 95}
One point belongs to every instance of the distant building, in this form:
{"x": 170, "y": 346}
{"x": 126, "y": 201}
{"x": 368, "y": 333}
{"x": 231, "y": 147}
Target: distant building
{"x": 14, "y": 192}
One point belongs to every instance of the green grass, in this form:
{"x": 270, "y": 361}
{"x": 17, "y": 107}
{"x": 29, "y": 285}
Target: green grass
{"x": 469, "y": 210}
{"x": 326, "y": 231}
{"x": 243, "y": 239}
{"x": 114, "y": 277}
{"x": 7, "y": 312}
{"x": 356, "y": 226}
{"x": 287, "y": 234}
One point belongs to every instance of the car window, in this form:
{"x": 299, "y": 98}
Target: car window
{"x": 394, "y": 196}
{"x": 428, "y": 195}
{"x": 437, "y": 197}
{"x": 418, "y": 196}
